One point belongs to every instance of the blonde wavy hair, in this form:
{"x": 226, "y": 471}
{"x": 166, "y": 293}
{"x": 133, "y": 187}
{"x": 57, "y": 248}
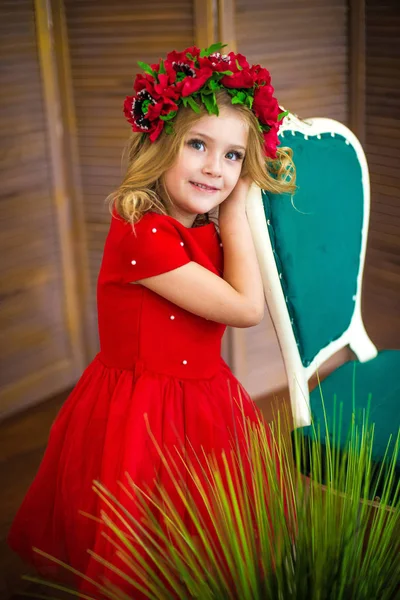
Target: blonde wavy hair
{"x": 142, "y": 188}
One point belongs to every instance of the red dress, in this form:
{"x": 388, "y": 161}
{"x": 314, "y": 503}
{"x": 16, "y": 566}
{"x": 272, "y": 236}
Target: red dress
{"x": 156, "y": 359}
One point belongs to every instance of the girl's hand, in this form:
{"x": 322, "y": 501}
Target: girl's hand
{"x": 239, "y": 193}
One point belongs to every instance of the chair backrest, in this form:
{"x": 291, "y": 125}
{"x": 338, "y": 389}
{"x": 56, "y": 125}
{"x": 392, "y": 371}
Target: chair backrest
{"x": 311, "y": 248}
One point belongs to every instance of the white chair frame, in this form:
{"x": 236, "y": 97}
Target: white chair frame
{"x": 355, "y": 335}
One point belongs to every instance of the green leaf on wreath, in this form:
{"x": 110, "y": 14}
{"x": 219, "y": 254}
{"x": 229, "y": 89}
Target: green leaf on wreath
{"x": 212, "y": 49}
{"x": 147, "y": 68}
{"x": 168, "y": 128}
{"x": 145, "y": 106}
{"x": 249, "y": 101}
{"x": 169, "y": 116}
{"x": 162, "y": 69}
{"x": 230, "y": 91}
{"x": 192, "y": 103}
{"x": 282, "y": 115}
{"x": 214, "y": 85}
{"x": 238, "y": 66}
{"x": 239, "y": 98}
{"x": 206, "y": 89}
{"x": 180, "y": 76}
{"x": 210, "y": 103}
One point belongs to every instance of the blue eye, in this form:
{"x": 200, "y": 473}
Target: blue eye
{"x": 235, "y": 154}
{"x": 199, "y": 145}
{"x": 196, "y": 144}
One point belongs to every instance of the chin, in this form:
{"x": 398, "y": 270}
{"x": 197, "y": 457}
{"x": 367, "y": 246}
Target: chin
{"x": 196, "y": 207}
{"x": 201, "y": 210}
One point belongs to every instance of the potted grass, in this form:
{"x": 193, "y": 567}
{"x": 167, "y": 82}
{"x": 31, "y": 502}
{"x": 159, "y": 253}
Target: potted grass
{"x": 281, "y": 536}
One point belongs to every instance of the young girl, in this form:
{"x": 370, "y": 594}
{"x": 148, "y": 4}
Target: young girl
{"x": 205, "y": 127}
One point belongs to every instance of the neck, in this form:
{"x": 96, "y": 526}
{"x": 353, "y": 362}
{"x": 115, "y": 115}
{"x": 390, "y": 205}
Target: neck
{"x": 186, "y": 219}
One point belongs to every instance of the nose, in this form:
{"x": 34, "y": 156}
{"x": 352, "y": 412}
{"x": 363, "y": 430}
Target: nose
{"x": 213, "y": 165}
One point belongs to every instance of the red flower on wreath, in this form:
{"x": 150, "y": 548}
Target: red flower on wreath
{"x": 175, "y": 56}
{"x": 271, "y": 141}
{"x": 260, "y": 75}
{"x": 224, "y": 62}
{"x": 200, "y": 74}
{"x": 183, "y": 73}
{"x": 144, "y": 109}
{"x": 265, "y": 106}
{"x": 266, "y": 109}
{"x": 241, "y": 79}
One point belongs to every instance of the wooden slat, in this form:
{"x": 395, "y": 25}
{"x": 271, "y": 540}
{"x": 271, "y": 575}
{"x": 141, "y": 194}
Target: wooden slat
{"x": 382, "y": 276}
{"x": 357, "y": 79}
{"x": 105, "y": 42}
{"x": 226, "y": 24}
{"x": 304, "y": 77}
{"x": 382, "y": 140}
{"x": 36, "y": 353}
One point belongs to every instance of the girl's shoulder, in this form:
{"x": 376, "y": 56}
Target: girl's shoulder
{"x": 153, "y": 245}
{"x": 152, "y": 222}
{"x": 149, "y": 222}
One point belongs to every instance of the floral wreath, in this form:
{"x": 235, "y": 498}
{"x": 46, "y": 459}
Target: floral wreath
{"x": 192, "y": 76}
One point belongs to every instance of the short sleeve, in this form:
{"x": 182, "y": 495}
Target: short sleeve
{"x": 155, "y": 246}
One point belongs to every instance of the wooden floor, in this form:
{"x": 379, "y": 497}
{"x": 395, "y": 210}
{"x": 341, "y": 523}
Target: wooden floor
{"x": 23, "y": 439}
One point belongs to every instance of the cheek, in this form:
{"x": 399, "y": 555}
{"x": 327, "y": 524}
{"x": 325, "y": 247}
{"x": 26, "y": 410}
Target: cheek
{"x": 191, "y": 164}
{"x": 234, "y": 175}
{"x": 172, "y": 184}
{"x": 182, "y": 172}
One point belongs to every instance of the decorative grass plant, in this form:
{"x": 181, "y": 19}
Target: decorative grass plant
{"x": 277, "y": 535}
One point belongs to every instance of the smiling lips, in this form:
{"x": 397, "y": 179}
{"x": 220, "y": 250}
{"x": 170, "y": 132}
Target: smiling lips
{"x": 205, "y": 188}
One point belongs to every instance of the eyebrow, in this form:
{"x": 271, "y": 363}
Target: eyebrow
{"x": 207, "y": 137}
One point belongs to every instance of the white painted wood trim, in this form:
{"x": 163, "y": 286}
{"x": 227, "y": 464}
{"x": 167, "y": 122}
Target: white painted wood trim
{"x": 355, "y": 335}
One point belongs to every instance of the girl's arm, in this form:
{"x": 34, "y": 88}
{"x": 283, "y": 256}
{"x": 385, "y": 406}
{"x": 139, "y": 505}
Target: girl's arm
{"x": 235, "y": 300}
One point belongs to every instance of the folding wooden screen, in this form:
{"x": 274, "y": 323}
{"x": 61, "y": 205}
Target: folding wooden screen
{"x": 67, "y": 66}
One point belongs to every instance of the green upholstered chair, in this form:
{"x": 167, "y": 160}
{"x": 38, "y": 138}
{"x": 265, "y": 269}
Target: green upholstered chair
{"x": 311, "y": 249}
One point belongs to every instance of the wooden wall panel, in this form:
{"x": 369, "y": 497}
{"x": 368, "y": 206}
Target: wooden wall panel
{"x": 105, "y": 42}
{"x": 37, "y": 351}
{"x": 304, "y": 44}
{"x": 382, "y": 274}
